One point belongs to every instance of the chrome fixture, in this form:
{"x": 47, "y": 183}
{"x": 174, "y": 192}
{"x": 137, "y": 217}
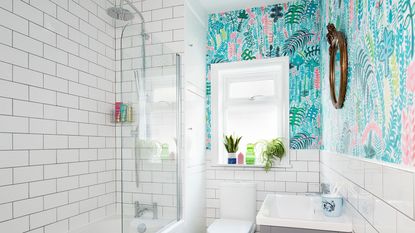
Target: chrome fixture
{"x": 325, "y": 188}
{"x": 140, "y": 209}
{"x": 179, "y": 134}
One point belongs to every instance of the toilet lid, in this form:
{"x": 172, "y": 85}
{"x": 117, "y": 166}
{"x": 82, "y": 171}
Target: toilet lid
{"x": 230, "y": 226}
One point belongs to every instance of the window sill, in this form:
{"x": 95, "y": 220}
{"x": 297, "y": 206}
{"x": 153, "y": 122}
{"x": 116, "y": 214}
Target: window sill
{"x": 251, "y": 166}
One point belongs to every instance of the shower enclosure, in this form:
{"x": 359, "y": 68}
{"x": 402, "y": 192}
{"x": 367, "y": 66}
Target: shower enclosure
{"x": 149, "y": 137}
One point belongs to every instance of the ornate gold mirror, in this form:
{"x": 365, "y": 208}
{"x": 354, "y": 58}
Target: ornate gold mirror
{"x": 338, "y": 65}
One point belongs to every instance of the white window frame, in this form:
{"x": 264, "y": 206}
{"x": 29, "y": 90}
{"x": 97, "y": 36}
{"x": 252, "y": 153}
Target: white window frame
{"x": 279, "y": 66}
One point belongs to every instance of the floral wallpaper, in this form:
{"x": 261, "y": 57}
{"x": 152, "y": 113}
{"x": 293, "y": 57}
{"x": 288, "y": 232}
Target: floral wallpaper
{"x": 289, "y": 29}
{"x": 378, "y": 118}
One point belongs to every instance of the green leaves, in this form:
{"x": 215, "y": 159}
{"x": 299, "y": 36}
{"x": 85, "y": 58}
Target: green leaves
{"x": 231, "y": 143}
{"x": 297, "y": 115}
{"x": 301, "y": 141}
{"x": 294, "y": 14}
{"x": 247, "y": 55}
{"x": 297, "y": 40}
{"x": 273, "y": 149}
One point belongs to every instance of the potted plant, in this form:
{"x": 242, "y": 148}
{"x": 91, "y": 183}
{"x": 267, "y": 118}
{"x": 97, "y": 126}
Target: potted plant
{"x": 272, "y": 150}
{"x": 231, "y": 144}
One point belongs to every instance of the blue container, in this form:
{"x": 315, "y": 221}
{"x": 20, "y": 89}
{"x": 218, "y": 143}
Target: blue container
{"x": 332, "y": 205}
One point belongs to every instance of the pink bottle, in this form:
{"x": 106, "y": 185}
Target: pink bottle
{"x": 241, "y": 158}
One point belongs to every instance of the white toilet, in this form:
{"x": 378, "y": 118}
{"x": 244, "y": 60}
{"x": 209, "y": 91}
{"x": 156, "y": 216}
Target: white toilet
{"x": 237, "y": 209}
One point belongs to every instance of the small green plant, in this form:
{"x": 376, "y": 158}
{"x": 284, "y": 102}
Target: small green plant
{"x": 231, "y": 143}
{"x": 272, "y": 150}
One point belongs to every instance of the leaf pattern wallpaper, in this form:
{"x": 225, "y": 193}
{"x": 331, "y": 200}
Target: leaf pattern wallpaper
{"x": 290, "y": 29}
{"x": 378, "y": 118}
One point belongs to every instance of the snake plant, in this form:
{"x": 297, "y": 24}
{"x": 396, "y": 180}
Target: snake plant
{"x": 231, "y": 143}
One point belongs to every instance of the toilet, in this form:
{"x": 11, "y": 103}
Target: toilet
{"x": 237, "y": 209}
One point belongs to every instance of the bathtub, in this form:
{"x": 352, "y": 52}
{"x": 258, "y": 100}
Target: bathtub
{"x": 131, "y": 225}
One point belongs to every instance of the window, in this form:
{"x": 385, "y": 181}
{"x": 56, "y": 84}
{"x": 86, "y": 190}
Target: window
{"x": 250, "y": 99}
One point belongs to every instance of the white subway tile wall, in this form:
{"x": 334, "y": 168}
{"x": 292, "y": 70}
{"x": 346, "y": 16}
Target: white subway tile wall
{"x": 380, "y": 197}
{"x": 57, "y": 88}
{"x": 302, "y": 177}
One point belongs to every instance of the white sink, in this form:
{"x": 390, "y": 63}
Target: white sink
{"x": 299, "y": 212}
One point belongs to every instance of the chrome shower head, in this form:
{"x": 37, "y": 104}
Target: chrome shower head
{"x": 120, "y": 13}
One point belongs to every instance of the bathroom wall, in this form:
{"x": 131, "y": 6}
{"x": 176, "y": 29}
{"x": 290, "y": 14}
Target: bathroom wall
{"x": 290, "y": 29}
{"x": 380, "y": 197}
{"x": 302, "y": 177}
{"x": 194, "y": 198}
{"x": 157, "y": 178}
{"x": 377, "y": 121}
{"x": 368, "y": 146}
{"x": 57, "y": 156}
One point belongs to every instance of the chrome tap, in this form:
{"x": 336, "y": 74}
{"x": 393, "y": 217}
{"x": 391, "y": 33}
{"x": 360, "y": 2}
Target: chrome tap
{"x": 140, "y": 209}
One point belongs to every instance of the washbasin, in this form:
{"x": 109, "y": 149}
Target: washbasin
{"x": 299, "y": 211}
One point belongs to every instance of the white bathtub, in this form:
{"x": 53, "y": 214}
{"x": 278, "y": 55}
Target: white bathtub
{"x": 113, "y": 225}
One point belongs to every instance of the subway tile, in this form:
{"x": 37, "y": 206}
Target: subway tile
{"x": 13, "y": 193}
{"x": 42, "y": 34}
{"x": 404, "y": 224}
{"x": 67, "y": 183}
{"x": 27, "y": 109}
{"x": 6, "y": 212}
{"x": 56, "y": 171}
{"x": 41, "y": 95}
{"x": 7, "y": 4}
{"x": 6, "y": 70}
{"x": 26, "y": 11}
{"x": 56, "y": 26}
{"x": 398, "y": 189}
{"x": 55, "y": 142}
{"x": 27, "y": 206}
{"x": 14, "y": 22}
{"x": 68, "y": 211}
{"x": 40, "y": 126}
{"x": 67, "y": 45}
{"x": 45, "y": 6}
{"x": 27, "y": 174}
{"x": 27, "y": 141}
{"x": 60, "y": 226}
{"x": 68, "y": 128}
{"x": 13, "y": 159}
{"x": 384, "y": 217}
{"x": 41, "y": 157}
{"x": 55, "y": 83}
{"x": 66, "y": 156}
{"x": 42, "y": 65}
{"x": 55, "y": 200}
{"x": 13, "y": 90}
{"x": 6, "y": 141}
{"x": 41, "y": 188}
{"x": 17, "y": 225}
{"x": 55, "y": 112}
{"x": 27, "y": 44}
{"x": 42, "y": 218}
{"x": 160, "y": 14}
{"x": 6, "y": 177}
{"x": 55, "y": 54}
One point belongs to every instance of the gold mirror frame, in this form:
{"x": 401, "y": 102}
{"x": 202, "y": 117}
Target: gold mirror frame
{"x": 337, "y": 41}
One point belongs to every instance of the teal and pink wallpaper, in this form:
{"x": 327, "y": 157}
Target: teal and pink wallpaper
{"x": 290, "y": 29}
{"x": 378, "y": 118}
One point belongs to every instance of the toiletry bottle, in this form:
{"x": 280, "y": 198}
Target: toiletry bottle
{"x": 250, "y": 154}
{"x": 123, "y": 112}
{"x": 165, "y": 151}
{"x": 117, "y": 113}
{"x": 130, "y": 113}
{"x": 241, "y": 159}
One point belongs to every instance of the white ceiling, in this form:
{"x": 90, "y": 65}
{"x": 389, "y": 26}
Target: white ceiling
{"x": 212, "y": 6}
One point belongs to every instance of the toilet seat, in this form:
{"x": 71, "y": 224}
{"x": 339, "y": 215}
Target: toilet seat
{"x": 231, "y": 226}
